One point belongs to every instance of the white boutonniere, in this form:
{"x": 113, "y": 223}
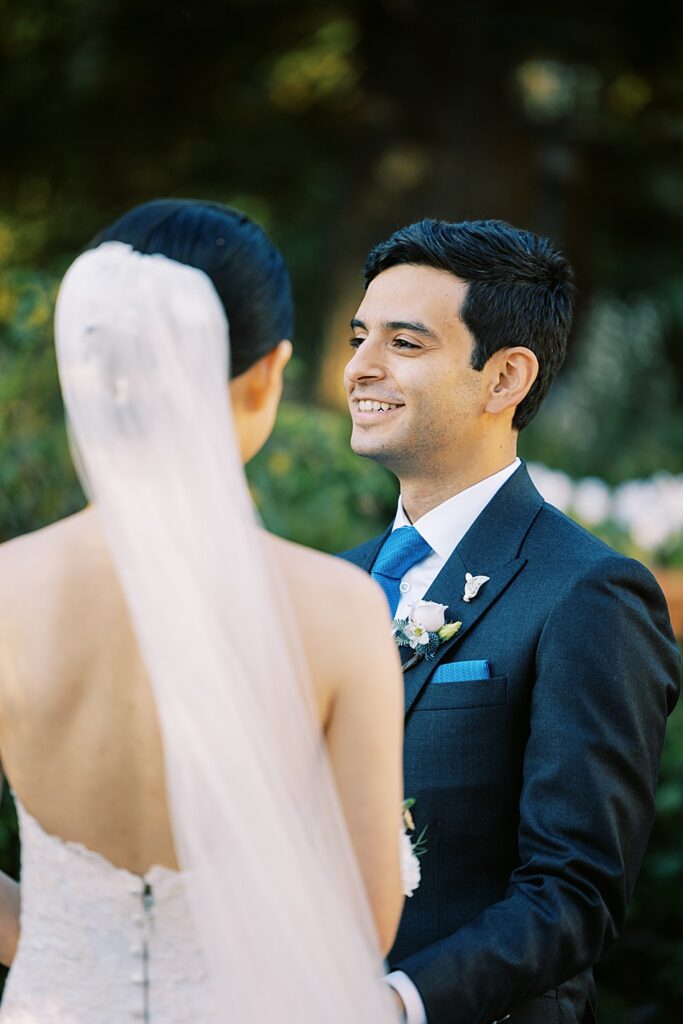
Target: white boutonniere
{"x": 411, "y": 851}
{"x": 424, "y": 630}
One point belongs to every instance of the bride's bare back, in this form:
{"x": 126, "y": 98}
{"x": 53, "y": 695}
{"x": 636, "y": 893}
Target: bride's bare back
{"x": 79, "y": 737}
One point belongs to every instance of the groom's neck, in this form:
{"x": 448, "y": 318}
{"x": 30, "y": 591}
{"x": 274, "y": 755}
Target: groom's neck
{"x": 421, "y": 492}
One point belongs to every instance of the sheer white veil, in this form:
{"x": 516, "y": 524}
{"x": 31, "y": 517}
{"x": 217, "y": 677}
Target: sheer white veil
{"x": 142, "y": 346}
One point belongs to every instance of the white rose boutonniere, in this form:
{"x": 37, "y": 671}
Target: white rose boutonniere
{"x": 424, "y": 630}
{"x": 428, "y": 614}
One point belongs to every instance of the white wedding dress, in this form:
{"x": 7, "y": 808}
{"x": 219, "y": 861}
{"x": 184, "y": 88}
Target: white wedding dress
{"x": 99, "y": 944}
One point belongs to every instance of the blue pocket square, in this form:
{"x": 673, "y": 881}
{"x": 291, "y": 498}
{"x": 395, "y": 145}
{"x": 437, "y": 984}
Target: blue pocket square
{"x": 461, "y": 672}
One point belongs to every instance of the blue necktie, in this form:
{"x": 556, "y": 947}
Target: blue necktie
{"x": 400, "y": 552}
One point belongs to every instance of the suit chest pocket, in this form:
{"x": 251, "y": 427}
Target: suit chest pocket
{"x": 473, "y": 693}
{"x": 459, "y": 735}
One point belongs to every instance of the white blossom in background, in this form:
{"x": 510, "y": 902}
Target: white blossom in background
{"x": 670, "y": 500}
{"x": 592, "y": 501}
{"x": 634, "y": 510}
{"x": 555, "y": 486}
{"x": 650, "y": 511}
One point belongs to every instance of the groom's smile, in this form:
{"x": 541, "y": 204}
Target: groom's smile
{"x": 369, "y": 409}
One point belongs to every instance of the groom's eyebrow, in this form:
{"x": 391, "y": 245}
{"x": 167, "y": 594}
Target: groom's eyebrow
{"x": 400, "y": 325}
{"x": 409, "y": 325}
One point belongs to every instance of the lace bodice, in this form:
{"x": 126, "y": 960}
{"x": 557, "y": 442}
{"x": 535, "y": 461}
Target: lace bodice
{"x": 100, "y": 945}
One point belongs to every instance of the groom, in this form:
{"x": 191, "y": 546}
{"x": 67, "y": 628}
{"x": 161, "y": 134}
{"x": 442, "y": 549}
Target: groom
{"x": 533, "y": 737}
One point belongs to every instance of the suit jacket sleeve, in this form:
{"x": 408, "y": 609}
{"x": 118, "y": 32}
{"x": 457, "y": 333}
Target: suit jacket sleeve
{"x": 607, "y": 675}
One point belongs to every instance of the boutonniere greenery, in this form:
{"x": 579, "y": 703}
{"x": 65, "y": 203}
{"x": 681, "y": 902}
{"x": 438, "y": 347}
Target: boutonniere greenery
{"x": 419, "y": 844}
{"x": 424, "y": 630}
{"x": 411, "y": 850}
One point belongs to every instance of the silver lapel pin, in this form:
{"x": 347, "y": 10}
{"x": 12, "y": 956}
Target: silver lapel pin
{"x": 473, "y": 585}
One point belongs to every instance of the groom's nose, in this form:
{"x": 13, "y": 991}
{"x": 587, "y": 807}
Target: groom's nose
{"x": 365, "y": 364}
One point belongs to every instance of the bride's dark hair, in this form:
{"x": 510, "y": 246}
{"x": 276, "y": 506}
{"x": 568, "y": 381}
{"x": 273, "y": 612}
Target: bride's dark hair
{"x": 246, "y": 269}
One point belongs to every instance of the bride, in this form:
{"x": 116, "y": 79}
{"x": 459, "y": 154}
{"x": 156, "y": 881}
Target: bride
{"x": 201, "y": 723}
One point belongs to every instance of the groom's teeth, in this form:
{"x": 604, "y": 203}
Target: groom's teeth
{"x": 365, "y": 405}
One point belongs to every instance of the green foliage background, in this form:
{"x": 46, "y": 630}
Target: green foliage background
{"x": 332, "y": 123}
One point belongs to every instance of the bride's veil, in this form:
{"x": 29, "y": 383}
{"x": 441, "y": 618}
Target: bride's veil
{"x": 142, "y": 344}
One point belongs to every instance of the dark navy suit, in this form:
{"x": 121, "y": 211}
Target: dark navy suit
{"x": 537, "y": 784}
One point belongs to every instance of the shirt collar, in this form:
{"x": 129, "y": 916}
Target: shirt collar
{"x": 444, "y": 527}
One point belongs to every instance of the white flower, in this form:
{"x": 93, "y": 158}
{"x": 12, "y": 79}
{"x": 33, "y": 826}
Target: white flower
{"x": 651, "y": 510}
{"x": 592, "y": 501}
{"x": 410, "y": 865}
{"x": 417, "y": 635}
{"x": 428, "y": 614}
{"x": 555, "y": 486}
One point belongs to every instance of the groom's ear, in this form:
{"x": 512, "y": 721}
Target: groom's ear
{"x": 511, "y": 373}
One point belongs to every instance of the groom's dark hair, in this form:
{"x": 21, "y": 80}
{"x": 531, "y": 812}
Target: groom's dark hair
{"x": 246, "y": 269}
{"x": 520, "y": 289}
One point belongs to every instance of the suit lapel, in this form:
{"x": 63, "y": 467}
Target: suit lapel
{"x": 491, "y": 548}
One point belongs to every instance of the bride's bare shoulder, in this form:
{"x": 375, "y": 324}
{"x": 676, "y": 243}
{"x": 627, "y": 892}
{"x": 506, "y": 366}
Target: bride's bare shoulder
{"x": 343, "y": 616}
{"x": 311, "y": 572}
{"x": 38, "y": 565}
{"x": 46, "y": 542}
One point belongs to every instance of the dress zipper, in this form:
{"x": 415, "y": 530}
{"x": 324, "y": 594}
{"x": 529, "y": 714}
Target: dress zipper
{"x": 147, "y": 907}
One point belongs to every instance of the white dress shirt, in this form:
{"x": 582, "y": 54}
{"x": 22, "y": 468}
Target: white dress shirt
{"x": 443, "y": 528}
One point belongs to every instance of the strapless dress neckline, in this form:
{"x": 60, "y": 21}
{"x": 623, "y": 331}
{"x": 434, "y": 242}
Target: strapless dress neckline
{"x": 101, "y": 944}
{"x": 153, "y": 873}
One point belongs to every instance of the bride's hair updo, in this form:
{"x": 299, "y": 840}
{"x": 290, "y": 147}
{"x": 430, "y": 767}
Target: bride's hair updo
{"x": 246, "y": 269}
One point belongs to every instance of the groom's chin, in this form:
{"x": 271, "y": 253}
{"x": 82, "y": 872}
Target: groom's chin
{"x": 370, "y": 448}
